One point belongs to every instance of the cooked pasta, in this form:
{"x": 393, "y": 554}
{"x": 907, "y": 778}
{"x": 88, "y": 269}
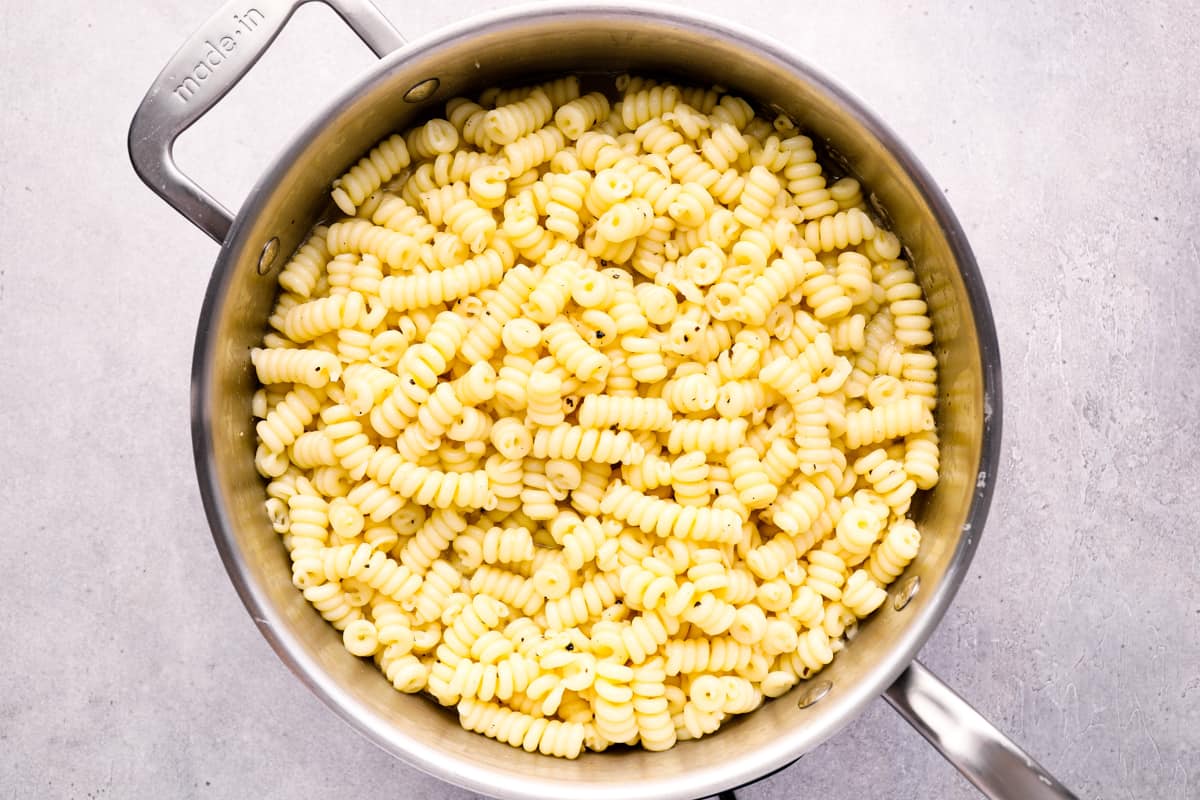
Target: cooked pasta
{"x": 376, "y": 168}
{"x": 597, "y": 417}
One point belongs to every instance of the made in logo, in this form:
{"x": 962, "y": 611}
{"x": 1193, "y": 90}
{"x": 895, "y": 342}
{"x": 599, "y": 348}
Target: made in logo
{"x": 219, "y": 48}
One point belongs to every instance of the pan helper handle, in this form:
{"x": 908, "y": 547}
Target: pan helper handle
{"x": 203, "y": 71}
{"x": 986, "y": 757}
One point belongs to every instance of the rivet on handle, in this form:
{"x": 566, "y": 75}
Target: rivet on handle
{"x": 907, "y": 591}
{"x": 422, "y": 91}
{"x": 815, "y": 693}
{"x": 267, "y": 257}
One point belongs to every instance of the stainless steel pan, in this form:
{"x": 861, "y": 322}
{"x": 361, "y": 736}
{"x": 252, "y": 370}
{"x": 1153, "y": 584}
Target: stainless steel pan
{"x": 412, "y": 79}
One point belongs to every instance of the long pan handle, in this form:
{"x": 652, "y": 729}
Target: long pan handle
{"x": 209, "y": 64}
{"x": 986, "y": 757}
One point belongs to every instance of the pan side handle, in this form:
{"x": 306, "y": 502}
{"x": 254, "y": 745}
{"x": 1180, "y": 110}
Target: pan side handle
{"x": 206, "y": 67}
{"x": 986, "y": 757}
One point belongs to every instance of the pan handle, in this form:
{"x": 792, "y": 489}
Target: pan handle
{"x": 209, "y": 64}
{"x": 986, "y": 757}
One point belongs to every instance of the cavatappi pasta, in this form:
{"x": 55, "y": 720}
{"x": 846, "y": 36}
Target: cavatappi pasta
{"x": 597, "y": 416}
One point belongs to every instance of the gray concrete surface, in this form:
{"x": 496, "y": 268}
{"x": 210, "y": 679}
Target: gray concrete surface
{"x": 1067, "y": 136}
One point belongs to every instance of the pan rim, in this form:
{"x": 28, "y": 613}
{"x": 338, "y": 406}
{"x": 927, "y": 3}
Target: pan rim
{"x": 437, "y": 761}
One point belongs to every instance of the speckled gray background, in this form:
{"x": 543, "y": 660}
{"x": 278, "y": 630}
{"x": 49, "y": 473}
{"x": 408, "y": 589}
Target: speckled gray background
{"x": 1066, "y": 135}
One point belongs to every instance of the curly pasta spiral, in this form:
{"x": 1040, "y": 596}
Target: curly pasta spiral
{"x": 467, "y": 118}
{"x": 797, "y": 510}
{"x": 843, "y": 229}
{"x": 656, "y": 730}
{"x": 397, "y": 250}
{"x": 567, "y": 194}
{"x": 363, "y": 562}
{"x": 474, "y": 225}
{"x": 854, "y": 276}
{"x": 394, "y": 213}
{"x": 610, "y": 185}
{"x": 639, "y": 107}
{"x": 418, "y": 370}
{"x": 691, "y": 393}
{"x": 431, "y": 139}
{"x": 750, "y": 480}
{"x": 551, "y": 296}
{"x": 711, "y": 614}
{"x": 379, "y": 503}
{"x": 767, "y": 290}
{"x": 857, "y": 531}
{"x": 758, "y": 197}
{"x": 429, "y": 487}
{"x": 826, "y": 574}
{"x": 658, "y": 137}
{"x": 533, "y": 150}
{"x": 434, "y": 199}
{"x": 284, "y": 423}
{"x": 825, "y": 296}
{"x": 331, "y": 602}
{"x": 551, "y": 737}
{"x": 508, "y": 123}
{"x": 544, "y": 399}
{"x": 351, "y": 445}
{"x": 302, "y": 272}
{"x": 570, "y": 350}
{"x": 505, "y": 545}
{"x": 723, "y": 145}
{"x": 434, "y": 537}
{"x": 628, "y": 413}
{"x": 690, "y": 479}
{"x": 693, "y": 723}
{"x": 586, "y": 444}
{"x": 908, "y": 309}
{"x": 921, "y": 459}
{"x": 308, "y": 529}
{"x": 813, "y": 651}
{"x": 582, "y": 603}
{"x": 434, "y": 596}
{"x": 887, "y": 478}
{"x": 889, "y": 421}
{"x": 514, "y": 289}
{"x": 667, "y": 518}
{"x": 312, "y": 368}
{"x": 742, "y": 398}
{"x": 919, "y": 370}
{"x": 416, "y": 291}
{"x": 649, "y": 254}
{"x": 378, "y": 167}
{"x": 577, "y": 116}
{"x": 649, "y": 585}
{"x": 720, "y": 654}
{"x": 893, "y": 554}
{"x": 367, "y": 385}
{"x": 307, "y": 321}
{"x": 508, "y": 587}
{"x": 707, "y": 435}
{"x": 621, "y": 224}
{"x": 861, "y": 594}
